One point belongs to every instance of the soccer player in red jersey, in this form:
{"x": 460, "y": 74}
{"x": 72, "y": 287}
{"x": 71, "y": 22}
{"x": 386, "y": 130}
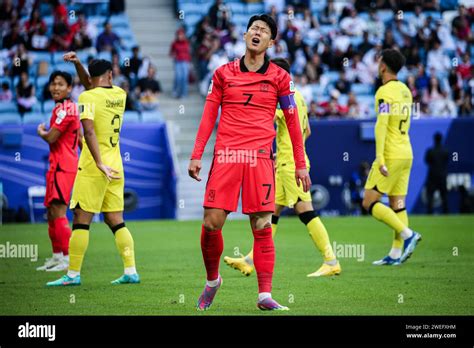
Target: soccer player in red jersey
{"x": 64, "y": 137}
{"x": 248, "y": 91}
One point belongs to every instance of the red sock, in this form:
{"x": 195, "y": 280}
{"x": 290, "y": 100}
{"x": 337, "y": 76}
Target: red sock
{"x": 264, "y": 258}
{"x": 212, "y": 246}
{"x": 53, "y": 236}
{"x": 63, "y": 233}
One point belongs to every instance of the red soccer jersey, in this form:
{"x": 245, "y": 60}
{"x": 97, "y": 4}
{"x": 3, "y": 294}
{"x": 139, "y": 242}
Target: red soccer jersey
{"x": 63, "y": 152}
{"x": 248, "y": 102}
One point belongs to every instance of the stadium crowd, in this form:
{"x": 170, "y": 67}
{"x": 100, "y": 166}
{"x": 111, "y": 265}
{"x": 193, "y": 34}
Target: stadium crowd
{"x": 32, "y": 47}
{"x": 333, "y": 50}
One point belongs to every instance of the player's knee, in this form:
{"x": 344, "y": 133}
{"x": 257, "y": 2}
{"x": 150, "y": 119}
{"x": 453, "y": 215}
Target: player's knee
{"x": 366, "y": 203}
{"x": 307, "y": 216}
{"x": 211, "y": 224}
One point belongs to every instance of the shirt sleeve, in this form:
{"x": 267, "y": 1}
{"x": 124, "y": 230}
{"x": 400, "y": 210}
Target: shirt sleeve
{"x": 63, "y": 119}
{"x": 382, "y": 110}
{"x": 86, "y": 107}
{"x": 216, "y": 88}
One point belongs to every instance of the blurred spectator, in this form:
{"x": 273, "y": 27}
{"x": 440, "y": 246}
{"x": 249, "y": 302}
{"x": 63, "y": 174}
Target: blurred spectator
{"x": 59, "y": 12}
{"x": 132, "y": 66}
{"x": 332, "y": 107}
{"x": 437, "y": 59}
{"x": 422, "y": 79}
{"x": 204, "y": 53}
{"x": 313, "y": 109}
{"x": 6, "y": 94}
{"x": 35, "y": 27}
{"x": 131, "y": 103}
{"x": 306, "y": 91}
{"x": 437, "y": 159}
{"x": 116, "y": 7}
{"x": 342, "y": 84}
{"x": 353, "y": 25}
{"x": 107, "y": 40}
{"x": 62, "y": 33}
{"x": 358, "y": 72}
{"x": 235, "y": 48}
{"x": 411, "y": 84}
{"x": 465, "y": 67}
{"x": 118, "y": 77}
{"x": 25, "y": 94}
{"x": 375, "y": 27}
{"x": 438, "y": 102}
{"x": 365, "y": 45}
{"x": 181, "y": 54}
{"x": 148, "y": 90}
{"x": 21, "y": 61}
{"x": 77, "y": 88}
{"x": 329, "y": 15}
{"x": 356, "y": 185}
{"x": 313, "y": 69}
{"x": 14, "y": 37}
{"x": 219, "y": 15}
{"x": 461, "y": 25}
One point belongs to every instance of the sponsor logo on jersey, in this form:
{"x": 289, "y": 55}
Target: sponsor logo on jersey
{"x": 209, "y": 91}
{"x": 292, "y": 86}
{"x": 60, "y": 115}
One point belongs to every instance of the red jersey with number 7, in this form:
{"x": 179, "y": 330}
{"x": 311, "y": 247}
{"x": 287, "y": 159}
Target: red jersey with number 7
{"x": 248, "y": 103}
{"x": 63, "y": 152}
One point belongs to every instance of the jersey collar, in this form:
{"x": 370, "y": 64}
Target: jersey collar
{"x": 263, "y": 69}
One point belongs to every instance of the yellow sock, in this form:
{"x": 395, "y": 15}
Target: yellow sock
{"x": 385, "y": 214}
{"x": 274, "y": 230}
{"x": 320, "y": 237}
{"x": 124, "y": 242}
{"x": 77, "y": 248}
{"x": 397, "y": 239}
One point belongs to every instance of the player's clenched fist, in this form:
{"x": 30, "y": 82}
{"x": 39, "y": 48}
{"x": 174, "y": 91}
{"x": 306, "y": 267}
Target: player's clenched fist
{"x": 194, "y": 169}
{"x": 302, "y": 176}
{"x": 71, "y": 57}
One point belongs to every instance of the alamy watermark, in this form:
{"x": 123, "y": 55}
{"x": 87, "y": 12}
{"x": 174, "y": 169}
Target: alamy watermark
{"x": 21, "y": 251}
{"x": 237, "y": 156}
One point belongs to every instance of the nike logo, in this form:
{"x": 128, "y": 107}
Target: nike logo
{"x": 265, "y": 203}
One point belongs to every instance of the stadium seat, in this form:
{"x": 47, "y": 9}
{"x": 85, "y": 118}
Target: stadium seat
{"x": 131, "y": 117}
{"x": 361, "y": 88}
{"x": 10, "y": 118}
{"x": 119, "y": 21}
{"x": 237, "y": 8}
{"x": 152, "y": 116}
{"x": 332, "y": 76}
{"x": 41, "y": 56}
{"x": 48, "y": 106}
{"x": 67, "y": 67}
{"x": 255, "y": 7}
{"x": 41, "y": 81}
{"x": 33, "y": 118}
{"x": 385, "y": 15}
{"x": 8, "y": 106}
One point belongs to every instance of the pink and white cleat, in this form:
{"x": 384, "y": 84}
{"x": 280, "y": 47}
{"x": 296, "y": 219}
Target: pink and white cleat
{"x": 269, "y": 304}
{"x": 207, "y": 296}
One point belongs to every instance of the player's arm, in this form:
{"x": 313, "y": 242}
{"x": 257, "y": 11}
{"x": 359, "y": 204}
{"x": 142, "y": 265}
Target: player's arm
{"x": 50, "y": 136}
{"x": 81, "y": 71}
{"x": 208, "y": 120}
{"x": 383, "y": 114}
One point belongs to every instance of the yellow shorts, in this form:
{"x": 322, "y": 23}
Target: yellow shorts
{"x": 287, "y": 192}
{"x": 96, "y": 194}
{"x": 396, "y": 184}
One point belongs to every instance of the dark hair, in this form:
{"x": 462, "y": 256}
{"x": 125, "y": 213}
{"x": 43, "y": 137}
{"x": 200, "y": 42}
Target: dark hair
{"x": 282, "y": 63}
{"x": 98, "y": 67}
{"x": 267, "y": 19}
{"x": 393, "y": 58}
{"x": 65, "y": 75}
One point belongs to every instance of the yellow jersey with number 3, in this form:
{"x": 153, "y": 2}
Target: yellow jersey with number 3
{"x": 393, "y": 107}
{"x": 105, "y": 106}
{"x": 283, "y": 141}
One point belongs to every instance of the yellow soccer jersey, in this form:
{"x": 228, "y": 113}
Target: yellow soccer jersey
{"x": 393, "y": 105}
{"x": 283, "y": 140}
{"x": 105, "y": 106}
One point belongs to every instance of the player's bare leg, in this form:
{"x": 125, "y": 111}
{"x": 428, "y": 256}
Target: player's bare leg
{"x": 245, "y": 263}
{"x": 125, "y": 247}
{"x": 59, "y": 233}
{"x": 212, "y": 245}
{"x": 320, "y": 237}
{"x": 77, "y": 248}
{"x": 264, "y": 259}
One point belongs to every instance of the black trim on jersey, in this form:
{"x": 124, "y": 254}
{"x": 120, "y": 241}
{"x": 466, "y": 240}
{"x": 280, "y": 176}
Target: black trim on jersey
{"x": 105, "y": 86}
{"x": 117, "y": 227}
{"x": 372, "y": 207}
{"x": 263, "y": 69}
{"x": 80, "y": 227}
{"x": 389, "y": 81}
{"x": 61, "y": 197}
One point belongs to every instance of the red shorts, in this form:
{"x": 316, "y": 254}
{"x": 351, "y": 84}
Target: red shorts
{"x": 58, "y": 186}
{"x": 256, "y": 179}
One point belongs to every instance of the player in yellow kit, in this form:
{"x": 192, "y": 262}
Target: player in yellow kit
{"x": 289, "y": 194}
{"x": 390, "y": 171}
{"x": 99, "y": 184}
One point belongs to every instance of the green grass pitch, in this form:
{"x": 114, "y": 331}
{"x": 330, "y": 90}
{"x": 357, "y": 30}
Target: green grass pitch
{"x": 437, "y": 280}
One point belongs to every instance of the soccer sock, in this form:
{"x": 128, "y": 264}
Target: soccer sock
{"x": 63, "y": 233}
{"x": 264, "y": 258}
{"x": 397, "y": 244}
{"x": 77, "y": 248}
{"x": 124, "y": 243}
{"x": 275, "y": 218}
{"x": 52, "y": 236}
{"x": 385, "y": 214}
{"x": 212, "y": 246}
{"x": 319, "y": 235}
